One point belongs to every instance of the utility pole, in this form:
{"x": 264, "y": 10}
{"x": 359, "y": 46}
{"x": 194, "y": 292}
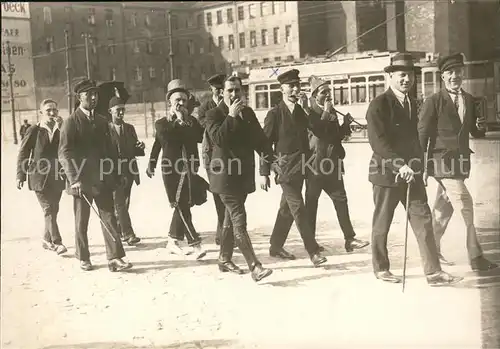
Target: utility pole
{"x": 237, "y": 36}
{"x": 11, "y": 86}
{"x": 68, "y": 77}
{"x": 86, "y": 37}
{"x": 171, "y": 53}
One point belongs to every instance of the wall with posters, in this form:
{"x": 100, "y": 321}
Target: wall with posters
{"x": 16, "y": 30}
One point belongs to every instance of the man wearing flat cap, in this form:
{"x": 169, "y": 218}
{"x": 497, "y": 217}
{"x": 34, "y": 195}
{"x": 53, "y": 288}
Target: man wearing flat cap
{"x": 216, "y": 83}
{"x": 392, "y": 133}
{"x": 445, "y": 122}
{"x": 286, "y": 126}
{"x": 178, "y": 135}
{"x": 90, "y": 164}
{"x": 327, "y": 165}
{"x": 128, "y": 147}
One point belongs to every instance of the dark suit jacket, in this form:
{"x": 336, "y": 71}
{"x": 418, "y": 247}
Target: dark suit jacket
{"x": 440, "y": 124}
{"x": 87, "y": 152}
{"x": 171, "y": 138}
{"x": 38, "y": 161}
{"x": 393, "y": 138}
{"x": 23, "y": 129}
{"x": 234, "y": 140}
{"x": 206, "y": 146}
{"x": 288, "y": 135}
{"x": 128, "y": 151}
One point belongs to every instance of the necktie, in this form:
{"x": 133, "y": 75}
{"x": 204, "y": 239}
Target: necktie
{"x": 406, "y": 105}
{"x": 455, "y": 101}
{"x": 121, "y": 137}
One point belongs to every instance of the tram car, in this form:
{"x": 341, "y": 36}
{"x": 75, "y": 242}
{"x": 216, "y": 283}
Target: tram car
{"x": 356, "y": 79}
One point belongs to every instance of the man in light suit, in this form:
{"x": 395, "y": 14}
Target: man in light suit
{"x": 445, "y": 122}
{"x": 128, "y": 147}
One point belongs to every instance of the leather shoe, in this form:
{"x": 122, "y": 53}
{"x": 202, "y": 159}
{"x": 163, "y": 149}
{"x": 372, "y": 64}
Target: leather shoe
{"x": 482, "y": 264}
{"x": 229, "y": 266}
{"x": 86, "y": 265}
{"x": 318, "y": 259}
{"x": 117, "y": 264}
{"x": 259, "y": 272}
{"x": 60, "y": 249}
{"x": 442, "y": 278}
{"x": 444, "y": 261}
{"x": 133, "y": 240}
{"x": 47, "y": 245}
{"x": 321, "y": 248}
{"x": 355, "y": 244}
{"x": 281, "y": 253}
{"x": 387, "y": 276}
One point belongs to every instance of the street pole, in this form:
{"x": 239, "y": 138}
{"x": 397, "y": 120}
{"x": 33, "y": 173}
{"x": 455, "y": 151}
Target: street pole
{"x": 237, "y": 35}
{"x": 86, "y": 37}
{"x": 11, "y": 86}
{"x": 68, "y": 77}
{"x": 171, "y": 53}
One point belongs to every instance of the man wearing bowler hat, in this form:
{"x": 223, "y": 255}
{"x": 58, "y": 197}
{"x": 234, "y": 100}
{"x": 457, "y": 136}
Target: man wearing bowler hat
{"x": 178, "y": 135}
{"x": 89, "y": 161}
{"x": 327, "y": 164}
{"x": 128, "y": 147}
{"x": 392, "y": 133}
{"x": 216, "y": 83}
{"x": 286, "y": 126}
{"x": 445, "y": 122}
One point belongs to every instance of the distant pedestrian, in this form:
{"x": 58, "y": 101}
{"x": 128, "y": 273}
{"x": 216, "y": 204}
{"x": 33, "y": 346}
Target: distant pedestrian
{"x": 24, "y": 127}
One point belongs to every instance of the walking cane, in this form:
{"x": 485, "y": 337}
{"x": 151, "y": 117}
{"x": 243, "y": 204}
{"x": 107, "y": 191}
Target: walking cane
{"x": 98, "y": 215}
{"x": 407, "y": 212}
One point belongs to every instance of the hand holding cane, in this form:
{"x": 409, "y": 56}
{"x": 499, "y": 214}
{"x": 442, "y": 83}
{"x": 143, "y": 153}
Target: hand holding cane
{"x": 407, "y": 212}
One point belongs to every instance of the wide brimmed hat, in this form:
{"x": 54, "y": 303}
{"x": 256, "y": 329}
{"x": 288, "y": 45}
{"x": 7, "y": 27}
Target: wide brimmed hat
{"x": 402, "y": 62}
{"x": 316, "y": 83}
{"x": 176, "y": 85}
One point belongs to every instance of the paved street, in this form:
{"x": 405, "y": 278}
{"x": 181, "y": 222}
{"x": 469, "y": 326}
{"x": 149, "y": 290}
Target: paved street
{"x": 169, "y": 302}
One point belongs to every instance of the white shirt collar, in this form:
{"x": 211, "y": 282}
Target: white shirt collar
{"x": 217, "y": 102}
{"x": 400, "y": 95}
{"x": 290, "y": 105}
{"x": 85, "y": 111}
{"x": 43, "y": 124}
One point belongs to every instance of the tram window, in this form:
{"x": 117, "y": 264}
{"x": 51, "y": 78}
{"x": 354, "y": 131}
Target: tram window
{"x": 428, "y": 83}
{"x": 340, "y": 91}
{"x": 358, "y": 90}
{"x": 376, "y": 85}
{"x": 261, "y": 87}
{"x": 276, "y": 97}
{"x": 418, "y": 84}
{"x": 262, "y": 99}
{"x": 439, "y": 81}
{"x": 275, "y": 86}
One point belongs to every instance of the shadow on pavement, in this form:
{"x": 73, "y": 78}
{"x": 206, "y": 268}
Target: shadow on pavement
{"x": 219, "y": 344}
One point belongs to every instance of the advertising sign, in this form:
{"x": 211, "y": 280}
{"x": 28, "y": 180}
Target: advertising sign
{"x": 16, "y": 10}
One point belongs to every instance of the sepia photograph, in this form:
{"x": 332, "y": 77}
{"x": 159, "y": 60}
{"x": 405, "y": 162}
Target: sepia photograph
{"x": 250, "y": 175}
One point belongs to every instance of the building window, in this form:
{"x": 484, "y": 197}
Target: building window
{"x": 277, "y": 59}
{"x": 251, "y": 11}
{"x": 175, "y": 22}
{"x": 219, "y": 17}
{"x": 243, "y": 63}
{"x": 149, "y": 47}
{"x": 138, "y": 74}
{"x": 147, "y": 20}
{"x": 108, "y": 17}
{"x": 190, "y": 46}
{"x": 376, "y": 85}
{"x": 231, "y": 42}
{"x": 111, "y": 46}
{"x": 133, "y": 20}
{"x": 221, "y": 42}
{"x": 288, "y": 33}
{"x": 135, "y": 46}
{"x": 229, "y": 15}
{"x": 209, "y": 19}
{"x": 241, "y": 13}
{"x": 264, "y": 6}
{"x": 263, "y": 35}
{"x": 210, "y": 44}
{"x": 202, "y": 49}
{"x": 254, "y": 61}
{"x": 242, "y": 40}
{"x": 152, "y": 73}
{"x": 50, "y": 44}
{"x": 199, "y": 20}
{"x": 91, "y": 18}
{"x": 47, "y": 15}
{"x": 253, "y": 39}
{"x": 273, "y": 7}
{"x": 265, "y": 60}
{"x": 276, "y": 35}
{"x": 112, "y": 74}
{"x": 341, "y": 91}
{"x": 289, "y": 58}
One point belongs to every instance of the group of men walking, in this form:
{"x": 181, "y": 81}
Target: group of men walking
{"x": 300, "y": 142}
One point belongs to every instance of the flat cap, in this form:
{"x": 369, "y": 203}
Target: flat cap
{"x": 217, "y": 80}
{"x": 85, "y": 86}
{"x": 451, "y": 61}
{"x": 289, "y": 77}
{"x": 114, "y": 101}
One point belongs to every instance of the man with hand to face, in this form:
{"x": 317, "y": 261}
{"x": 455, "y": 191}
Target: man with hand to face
{"x": 393, "y": 137}
{"x": 445, "y": 122}
{"x": 40, "y": 143}
{"x": 128, "y": 147}
{"x": 178, "y": 134}
{"x": 235, "y": 134}
{"x": 90, "y": 163}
